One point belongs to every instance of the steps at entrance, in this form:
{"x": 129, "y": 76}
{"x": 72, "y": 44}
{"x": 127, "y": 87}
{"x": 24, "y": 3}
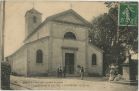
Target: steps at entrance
{"x": 72, "y": 75}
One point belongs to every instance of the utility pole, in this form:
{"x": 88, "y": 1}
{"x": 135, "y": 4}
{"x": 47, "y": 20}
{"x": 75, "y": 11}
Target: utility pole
{"x": 0, "y": 30}
{"x": 3, "y": 28}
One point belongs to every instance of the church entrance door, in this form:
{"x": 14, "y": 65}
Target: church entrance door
{"x": 69, "y": 63}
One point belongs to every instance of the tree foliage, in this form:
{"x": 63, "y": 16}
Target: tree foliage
{"x": 102, "y": 32}
{"x": 113, "y": 39}
{"x": 106, "y": 33}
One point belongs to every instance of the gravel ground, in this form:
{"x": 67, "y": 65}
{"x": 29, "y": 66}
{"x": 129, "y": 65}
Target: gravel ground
{"x": 69, "y": 83}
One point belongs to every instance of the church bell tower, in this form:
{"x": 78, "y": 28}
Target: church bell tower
{"x": 33, "y": 19}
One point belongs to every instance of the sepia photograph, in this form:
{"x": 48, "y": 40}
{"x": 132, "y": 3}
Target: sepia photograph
{"x": 69, "y": 45}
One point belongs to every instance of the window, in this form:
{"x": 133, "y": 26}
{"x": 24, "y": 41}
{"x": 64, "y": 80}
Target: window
{"x": 69, "y": 35}
{"x": 34, "y": 19}
{"x": 39, "y": 56}
{"x": 94, "y": 59}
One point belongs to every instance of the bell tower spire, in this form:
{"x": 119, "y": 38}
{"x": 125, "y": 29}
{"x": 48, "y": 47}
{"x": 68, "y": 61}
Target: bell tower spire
{"x": 33, "y": 19}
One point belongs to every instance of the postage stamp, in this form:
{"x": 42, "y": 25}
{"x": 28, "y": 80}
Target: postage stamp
{"x": 128, "y": 14}
{"x": 69, "y": 45}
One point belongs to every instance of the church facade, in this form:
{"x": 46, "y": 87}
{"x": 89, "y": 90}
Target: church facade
{"x": 60, "y": 40}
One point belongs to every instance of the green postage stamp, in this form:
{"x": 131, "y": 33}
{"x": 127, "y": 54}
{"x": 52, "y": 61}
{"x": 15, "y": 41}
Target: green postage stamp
{"x": 128, "y": 14}
{"x": 69, "y": 45}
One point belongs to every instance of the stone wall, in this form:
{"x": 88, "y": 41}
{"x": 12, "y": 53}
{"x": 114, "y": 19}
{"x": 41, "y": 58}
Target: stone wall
{"x": 19, "y": 61}
{"x": 38, "y": 68}
{"x": 98, "y": 68}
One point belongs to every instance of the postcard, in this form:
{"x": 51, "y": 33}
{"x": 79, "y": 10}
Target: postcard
{"x": 69, "y": 45}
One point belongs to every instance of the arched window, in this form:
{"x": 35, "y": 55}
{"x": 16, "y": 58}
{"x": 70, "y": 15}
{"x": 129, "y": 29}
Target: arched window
{"x": 94, "y": 59}
{"x": 39, "y": 56}
{"x": 34, "y": 19}
{"x": 69, "y": 35}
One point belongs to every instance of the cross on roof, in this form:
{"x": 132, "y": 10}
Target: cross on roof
{"x": 33, "y": 3}
{"x": 71, "y": 5}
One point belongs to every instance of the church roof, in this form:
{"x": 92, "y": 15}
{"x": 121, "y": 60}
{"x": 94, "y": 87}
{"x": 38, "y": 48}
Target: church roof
{"x": 53, "y": 18}
{"x": 97, "y": 48}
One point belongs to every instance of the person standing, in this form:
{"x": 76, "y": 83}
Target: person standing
{"x": 57, "y": 72}
{"x": 112, "y": 76}
{"x": 112, "y": 72}
{"x": 82, "y": 73}
{"x": 64, "y": 71}
{"x": 60, "y": 71}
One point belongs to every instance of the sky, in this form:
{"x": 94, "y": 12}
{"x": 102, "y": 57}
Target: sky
{"x": 15, "y": 16}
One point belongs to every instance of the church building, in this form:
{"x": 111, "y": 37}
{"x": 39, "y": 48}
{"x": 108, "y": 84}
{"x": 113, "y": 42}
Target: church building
{"x": 60, "y": 40}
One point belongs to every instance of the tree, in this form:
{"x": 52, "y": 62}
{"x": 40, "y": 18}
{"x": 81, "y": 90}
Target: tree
{"x": 102, "y": 31}
{"x": 106, "y": 34}
{"x": 126, "y": 34}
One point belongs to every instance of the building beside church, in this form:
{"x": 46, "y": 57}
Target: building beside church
{"x": 60, "y": 40}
